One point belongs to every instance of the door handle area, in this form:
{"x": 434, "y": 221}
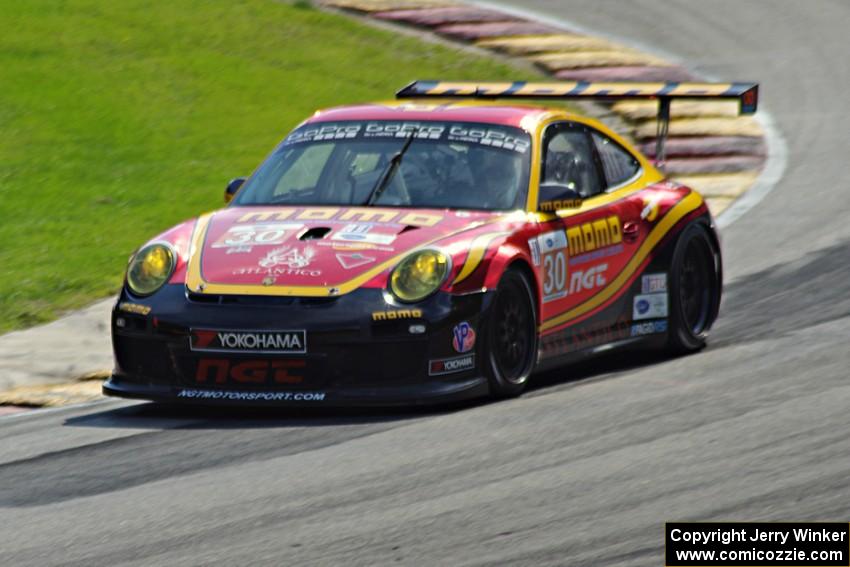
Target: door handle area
{"x": 631, "y": 231}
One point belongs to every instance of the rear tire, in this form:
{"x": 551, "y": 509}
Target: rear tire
{"x": 694, "y": 289}
{"x": 510, "y": 345}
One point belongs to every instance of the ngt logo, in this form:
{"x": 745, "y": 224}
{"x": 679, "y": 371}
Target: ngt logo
{"x": 269, "y": 372}
{"x": 288, "y": 342}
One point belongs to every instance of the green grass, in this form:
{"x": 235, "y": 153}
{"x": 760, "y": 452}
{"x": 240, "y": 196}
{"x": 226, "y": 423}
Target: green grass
{"x": 120, "y": 119}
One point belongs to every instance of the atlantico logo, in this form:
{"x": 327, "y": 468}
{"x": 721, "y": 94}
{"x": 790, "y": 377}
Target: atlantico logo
{"x": 591, "y": 235}
{"x": 249, "y": 341}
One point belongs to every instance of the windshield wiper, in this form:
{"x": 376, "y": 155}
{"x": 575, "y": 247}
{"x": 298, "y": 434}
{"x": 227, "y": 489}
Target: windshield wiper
{"x": 387, "y": 176}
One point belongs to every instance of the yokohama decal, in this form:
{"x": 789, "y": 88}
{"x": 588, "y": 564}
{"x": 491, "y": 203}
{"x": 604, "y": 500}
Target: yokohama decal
{"x": 277, "y": 342}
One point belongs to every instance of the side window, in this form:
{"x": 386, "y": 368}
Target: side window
{"x": 568, "y": 159}
{"x": 618, "y": 164}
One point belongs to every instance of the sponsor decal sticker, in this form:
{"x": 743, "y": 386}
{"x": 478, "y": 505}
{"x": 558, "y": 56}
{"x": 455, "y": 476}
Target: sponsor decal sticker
{"x": 272, "y": 273}
{"x": 350, "y": 215}
{"x": 494, "y": 136}
{"x": 242, "y": 237}
{"x": 289, "y": 257}
{"x": 534, "y": 247}
{"x": 560, "y": 204}
{"x": 589, "y": 278}
{"x": 583, "y": 337}
{"x": 596, "y": 255}
{"x": 276, "y": 342}
{"x": 323, "y": 132}
{"x": 362, "y": 233}
{"x": 653, "y": 283}
{"x": 650, "y": 306}
{"x": 134, "y": 308}
{"x": 230, "y": 395}
{"x": 353, "y": 260}
{"x": 551, "y": 241}
{"x": 553, "y": 250}
{"x": 239, "y": 250}
{"x": 650, "y": 208}
{"x": 593, "y": 235}
{"x": 463, "y": 337}
{"x": 403, "y": 130}
{"x": 351, "y": 246}
{"x": 396, "y": 314}
{"x": 451, "y": 365}
{"x": 553, "y": 255}
{"x": 223, "y": 370}
{"x": 649, "y": 328}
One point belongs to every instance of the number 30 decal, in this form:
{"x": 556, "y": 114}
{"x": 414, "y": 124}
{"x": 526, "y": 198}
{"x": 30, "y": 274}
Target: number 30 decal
{"x": 555, "y": 275}
{"x": 255, "y": 235}
{"x": 550, "y": 249}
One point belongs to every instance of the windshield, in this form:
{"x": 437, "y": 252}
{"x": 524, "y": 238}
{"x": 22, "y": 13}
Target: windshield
{"x": 446, "y": 165}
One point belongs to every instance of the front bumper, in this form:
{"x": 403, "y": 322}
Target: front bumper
{"x": 360, "y": 350}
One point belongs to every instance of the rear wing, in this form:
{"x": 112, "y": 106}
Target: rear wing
{"x": 745, "y": 93}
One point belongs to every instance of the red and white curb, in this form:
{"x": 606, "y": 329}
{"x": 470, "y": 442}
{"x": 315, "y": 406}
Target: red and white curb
{"x": 710, "y": 147}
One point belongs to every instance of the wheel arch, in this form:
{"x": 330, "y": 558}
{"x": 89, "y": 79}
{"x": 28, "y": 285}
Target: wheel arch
{"x": 510, "y": 257}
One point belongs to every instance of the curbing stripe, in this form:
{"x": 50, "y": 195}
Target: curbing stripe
{"x": 444, "y": 16}
{"x": 711, "y": 139}
{"x": 471, "y": 32}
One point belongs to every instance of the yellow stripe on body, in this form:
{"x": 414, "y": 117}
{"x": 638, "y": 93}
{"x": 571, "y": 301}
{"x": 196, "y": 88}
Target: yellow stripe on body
{"x": 477, "y": 250}
{"x": 687, "y": 205}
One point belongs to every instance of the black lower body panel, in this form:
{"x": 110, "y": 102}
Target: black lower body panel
{"x": 356, "y": 350}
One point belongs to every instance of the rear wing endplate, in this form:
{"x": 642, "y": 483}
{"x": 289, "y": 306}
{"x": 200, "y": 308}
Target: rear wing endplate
{"x": 745, "y": 93}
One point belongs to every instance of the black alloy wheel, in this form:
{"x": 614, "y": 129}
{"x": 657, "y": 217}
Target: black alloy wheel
{"x": 694, "y": 289}
{"x": 511, "y": 343}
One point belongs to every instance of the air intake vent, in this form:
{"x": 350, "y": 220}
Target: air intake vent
{"x": 315, "y": 233}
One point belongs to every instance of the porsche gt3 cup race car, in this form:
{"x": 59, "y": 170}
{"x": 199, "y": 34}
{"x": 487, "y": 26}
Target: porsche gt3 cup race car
{"x": 439, "y": 247}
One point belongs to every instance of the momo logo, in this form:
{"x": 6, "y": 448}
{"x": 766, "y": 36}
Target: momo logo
{"x": 285, "y": 342}
{"x": 396, "y": 314}
{"x": 596, "y": 234}
{"x": 559, "y": 204}
{"x": 289, "y": 257}
{"x": 358, "y": 215}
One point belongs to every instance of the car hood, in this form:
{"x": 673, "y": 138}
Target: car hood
{"x": 316, "y": 251}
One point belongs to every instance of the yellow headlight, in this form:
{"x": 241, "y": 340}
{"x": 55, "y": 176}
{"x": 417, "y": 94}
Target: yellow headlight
{"x": 150, "y": 268}
{"x": 419, "y": 275}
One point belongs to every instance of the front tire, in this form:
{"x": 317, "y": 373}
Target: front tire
{"x": 510, "y": 349}
{"x": 694, "y": 289}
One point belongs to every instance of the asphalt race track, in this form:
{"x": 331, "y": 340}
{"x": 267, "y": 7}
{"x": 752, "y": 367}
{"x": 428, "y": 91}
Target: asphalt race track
{"x": 585, "y": 468}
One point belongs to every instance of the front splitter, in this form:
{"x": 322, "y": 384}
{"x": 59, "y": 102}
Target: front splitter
{"x": 429, "y": 393}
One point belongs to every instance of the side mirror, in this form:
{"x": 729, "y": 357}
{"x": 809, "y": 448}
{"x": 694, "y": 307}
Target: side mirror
{"x": 556, "y": 196}
{"x": 232, "y": 188}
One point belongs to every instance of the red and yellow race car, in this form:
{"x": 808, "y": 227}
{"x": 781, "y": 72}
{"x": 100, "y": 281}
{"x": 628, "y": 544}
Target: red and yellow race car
{"x": 436, "y": 248}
